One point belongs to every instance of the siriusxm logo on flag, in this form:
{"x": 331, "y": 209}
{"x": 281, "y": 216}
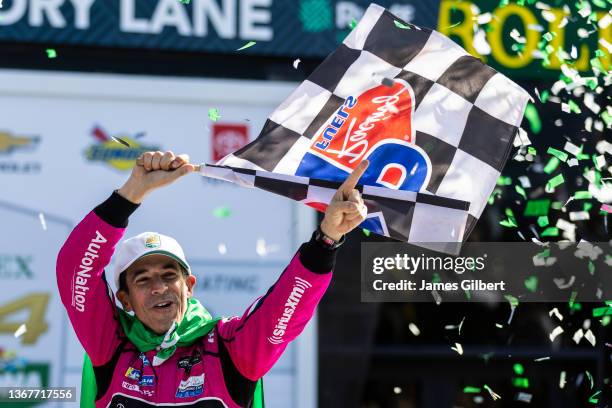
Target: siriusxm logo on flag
{"x": 365, "y": 128}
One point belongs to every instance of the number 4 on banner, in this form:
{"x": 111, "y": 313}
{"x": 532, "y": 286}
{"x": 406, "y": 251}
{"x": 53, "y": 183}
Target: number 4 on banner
{"x": 35, "y": 325}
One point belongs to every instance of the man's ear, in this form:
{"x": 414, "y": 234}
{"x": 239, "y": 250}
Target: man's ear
{"x": 125, "y": 300}
{"x": 190, "y": 280}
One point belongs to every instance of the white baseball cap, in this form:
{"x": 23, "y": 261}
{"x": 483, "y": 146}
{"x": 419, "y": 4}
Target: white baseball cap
{"x": 147, "y": 243}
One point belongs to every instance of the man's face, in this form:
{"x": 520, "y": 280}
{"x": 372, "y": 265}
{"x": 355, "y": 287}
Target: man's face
{"x": 157, "y": 291}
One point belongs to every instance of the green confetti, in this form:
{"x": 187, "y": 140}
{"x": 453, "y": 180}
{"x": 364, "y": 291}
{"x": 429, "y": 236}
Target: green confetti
{"x": 504, "y": 181}
{"x": 222, "y": 212}
{"x": 556, "y": 205}
{"x": 543, "y": 221}
{"x": 520, "y": 382}
{"x": 573, "y": 106}
{"x": 518, "y": 369}
{"x": 531, "y": 150}
{"x": 521, "y": 191}
{"x": 558, "y": 154}
{"x": 531, "y": 113}
{"x": 366, "y": 232}
{"x": 511, "y": 221}
{"x": 555, "y": 182}
{"x": 590, "y": 377}
{"x": 471, "y": 390}
{"x": 550, "y": 232}
{"x": 185, "y": 1}
{"x": 591, "y": 267}
{"x": 587, "y": 207}
{"x": 606, "y": 320}
{"x": 544, "y": 95}
{"x": 531, "y": 284}
{"x": 602, "y": 311}
{"x": 535, "y": 208}
{"x": 582, "y": 195}
{"x": 353, "y": 24}
{"x": 247, "y": 45}
{"x": 572, "y": 302}
{"x": 544, "y": 254}
{"x": 592, "y": 83}
{"x": 508, "y": 223}
{"x": 514, "y": 302}
{"x": 594, "y": 400}
{"x": 606, "y": 118}
{"x": 552, "y": 165}
{"x": 213, "y": 114}
{"x": 401, "y": 25}
{"x": 51, "y": 53}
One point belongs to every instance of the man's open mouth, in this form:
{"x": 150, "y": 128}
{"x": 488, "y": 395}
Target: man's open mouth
{"x": 163, "y": 305}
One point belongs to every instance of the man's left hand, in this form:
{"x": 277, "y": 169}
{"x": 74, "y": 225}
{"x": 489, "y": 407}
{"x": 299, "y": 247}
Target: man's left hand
{"x": 346, "y": 209}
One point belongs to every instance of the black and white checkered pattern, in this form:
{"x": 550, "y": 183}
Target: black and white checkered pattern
{"x": 407, "y": 214}
{"x": 465, "y": 119}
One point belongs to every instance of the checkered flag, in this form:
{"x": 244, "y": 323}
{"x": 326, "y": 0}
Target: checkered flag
{"x": 436, "y": 124}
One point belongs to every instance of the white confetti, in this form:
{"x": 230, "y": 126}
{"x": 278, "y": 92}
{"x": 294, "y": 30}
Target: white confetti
{"x": 397, "y": 390}
{"x": 458, "y": 348}
{"x": 542, "y": 359}
{"x": 549, "y": 16}
{"x": 585, "y": 11}
{"x": 562, "y": 381}
{"x": 589, "y": 102}
{"x": 42, "y": 220}
{"x": 590, "y": 337}
{"x": 414, "y": 329}
{"x": 483, "y": 18}
{"x": 588, "y": 124}
{"x": 480, "y": 43}
{"x": 604, "y": 22}
{"x": 572, "y": 148}
{"x": 555, "y": 312}
{"x": 20, "y": 331}
{"x": 524, "y": 397}
{"x": 222, "y": 249}
{"x": 583, "y": 33}
{"x": 574, "y": 52}
{"x": 296, "y": 63}
{"x": 557, "y": 331}
{"x": 565, "y": 107}
{"x": 572, "y": 162}
{"x": 524, "y": 180}
{"x": 579, "y": 215}
{"x": 600, "y": 161}
{"x": 557, "y": 87}
{"x": 492, "y": 393}
{"x": 516, "y": 36}
{"x": 578, "y": 336}
{"x": 535, "y": 27}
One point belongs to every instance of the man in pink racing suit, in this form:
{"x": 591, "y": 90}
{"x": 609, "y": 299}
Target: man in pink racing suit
{"x": 171, "y": 352}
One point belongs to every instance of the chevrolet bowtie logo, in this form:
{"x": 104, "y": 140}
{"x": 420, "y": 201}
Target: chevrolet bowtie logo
{"x": 8, "y": 142}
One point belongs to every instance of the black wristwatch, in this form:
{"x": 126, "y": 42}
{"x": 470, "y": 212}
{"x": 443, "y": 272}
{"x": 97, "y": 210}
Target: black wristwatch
{"x": 326, "y": 241}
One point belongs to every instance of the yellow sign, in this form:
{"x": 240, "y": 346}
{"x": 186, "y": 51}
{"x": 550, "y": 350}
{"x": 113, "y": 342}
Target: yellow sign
{"x": 557, "y": 30}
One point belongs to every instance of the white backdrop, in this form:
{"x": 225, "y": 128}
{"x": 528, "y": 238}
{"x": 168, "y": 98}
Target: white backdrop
{"x": 46, "y": 123}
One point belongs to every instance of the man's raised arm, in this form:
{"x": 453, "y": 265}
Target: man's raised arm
{"x": 256, "y": 340}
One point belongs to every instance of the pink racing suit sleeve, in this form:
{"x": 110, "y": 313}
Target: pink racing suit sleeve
{"x": 83, "y": 290}
{"x": 256, "y": 340}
